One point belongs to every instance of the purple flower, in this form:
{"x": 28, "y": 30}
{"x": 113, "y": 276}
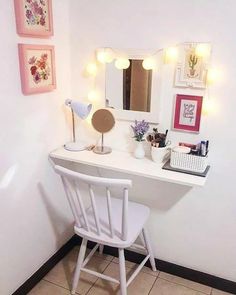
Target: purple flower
{"x": 139, "y": 129}
{"x": 32, "y": 60}
{"x": 37, "y": 78}
{"x": 29, "y": 14}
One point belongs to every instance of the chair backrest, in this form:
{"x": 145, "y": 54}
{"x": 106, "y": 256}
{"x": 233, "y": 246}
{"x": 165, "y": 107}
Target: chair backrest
{"x": 71, "y": 181}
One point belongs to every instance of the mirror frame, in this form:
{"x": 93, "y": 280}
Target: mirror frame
{"x": 154, "y": 115}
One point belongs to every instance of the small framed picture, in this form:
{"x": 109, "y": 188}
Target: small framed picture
{"x": 191, "y": 70}
{"x": 187, "y": 113}
{"x": 37, "y": 68}
{"x": 34, "y": 18}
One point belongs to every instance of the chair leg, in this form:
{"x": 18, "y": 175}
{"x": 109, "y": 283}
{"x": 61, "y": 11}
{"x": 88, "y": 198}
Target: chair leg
{"x": 123, "y": 287}
{"x": 149, "y": 249}
{"x": 79, "y": 264}
{"x": 101, "y": 247}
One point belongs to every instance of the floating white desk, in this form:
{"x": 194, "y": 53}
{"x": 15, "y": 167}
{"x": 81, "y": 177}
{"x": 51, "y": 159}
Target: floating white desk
{"x": 125, "y": 162}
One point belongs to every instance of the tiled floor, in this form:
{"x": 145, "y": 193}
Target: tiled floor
{"x": 58, "y": 280}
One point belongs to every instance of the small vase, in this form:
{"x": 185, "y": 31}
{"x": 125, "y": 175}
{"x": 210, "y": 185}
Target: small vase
{"x": 139, "y": 152}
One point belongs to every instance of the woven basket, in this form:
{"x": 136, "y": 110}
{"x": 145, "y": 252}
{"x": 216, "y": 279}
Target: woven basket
{"x": 188, "y": 162}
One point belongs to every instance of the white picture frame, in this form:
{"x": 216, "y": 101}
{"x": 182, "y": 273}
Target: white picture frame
{"x": 191, "y": 70}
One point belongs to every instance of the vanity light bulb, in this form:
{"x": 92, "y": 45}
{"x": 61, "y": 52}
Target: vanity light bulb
{"x": 203, "y": 50}
{"x": 105, "y": 55}
{"x": 148, "y": 63}
{"x": 122, "y": 63}
{"x": 92, "y": 69}
{"x": 171, "y": 54}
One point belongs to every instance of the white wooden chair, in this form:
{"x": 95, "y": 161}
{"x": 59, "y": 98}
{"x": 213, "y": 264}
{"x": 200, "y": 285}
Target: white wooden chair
{"x": 107, "y": 221}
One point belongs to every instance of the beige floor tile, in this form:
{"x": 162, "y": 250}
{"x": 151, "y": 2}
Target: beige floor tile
{"x": 46, "y": 288}
{"x": 133, "y": 265}
{"x": 103, "y": 256}
{"x": 127, "y": 263}
{"x": 62, "y": 273}
{"x": 141, "y": 285}
{"x": 186, "y": 283}
{"x": 218, "y": 292}
{"x": 163, "y": 287}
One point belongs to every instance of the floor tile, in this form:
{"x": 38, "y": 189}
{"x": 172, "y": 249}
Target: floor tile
{"x": 163, "y": 287}
{"x": 145, "y": 269}
{"x": 46, "y": 288}
{"x": 186, "y": 283}
{"x": 103, "y": 256}
{"x": 141, "y": 285}
{"x": 62, "y": 273}
{"x": 218, "y": 292}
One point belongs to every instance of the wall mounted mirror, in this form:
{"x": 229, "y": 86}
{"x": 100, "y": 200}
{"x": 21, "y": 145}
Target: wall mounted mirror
{"x": 134, "y": 93}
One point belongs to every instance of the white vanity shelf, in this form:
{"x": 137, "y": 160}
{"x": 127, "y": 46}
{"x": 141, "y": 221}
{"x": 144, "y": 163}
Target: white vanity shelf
{"x": 126, "y": 163}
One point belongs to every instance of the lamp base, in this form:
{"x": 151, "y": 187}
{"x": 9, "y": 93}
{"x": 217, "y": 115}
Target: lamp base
{"x": 102, "y": 150}
{"x": 75, "y": 146}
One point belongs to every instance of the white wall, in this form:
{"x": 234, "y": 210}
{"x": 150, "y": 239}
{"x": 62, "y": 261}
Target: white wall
{"x": 35, "y": 219}
{"x": 191, "y": 227}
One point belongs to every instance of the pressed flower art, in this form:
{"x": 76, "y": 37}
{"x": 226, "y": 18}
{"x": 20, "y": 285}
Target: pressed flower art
{"x": 36, "y": 12}
{"x": 37, "y": 68}
{"x": 34, "y": 18}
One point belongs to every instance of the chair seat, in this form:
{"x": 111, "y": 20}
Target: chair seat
{"x": 137, "y": 217}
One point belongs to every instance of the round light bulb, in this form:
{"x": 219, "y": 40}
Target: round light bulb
{"x": 92, "y": 69}
{"x": 149, "y": 63}
{"x": 171, "y": 54}
{"x": 105, "y": 55}
{"x": 92, "y": 95}
{"x": 213, "y": 75}
{"x": 203, "y": 50}
{"x": 122, "y": 63}
{"x": 207, "y": 106}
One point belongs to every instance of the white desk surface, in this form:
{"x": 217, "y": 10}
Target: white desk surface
{"x": 125, "y": 162}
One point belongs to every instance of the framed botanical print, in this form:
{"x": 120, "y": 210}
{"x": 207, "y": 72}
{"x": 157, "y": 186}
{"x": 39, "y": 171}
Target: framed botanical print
{"x": 187, "y": 112}
{"x": 37, "y": 68}
{"x": 34, "y": 18}
{"x": 191, "y": 70}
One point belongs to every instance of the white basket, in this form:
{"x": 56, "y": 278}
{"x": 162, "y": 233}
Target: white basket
{"x": 188, "y": 162}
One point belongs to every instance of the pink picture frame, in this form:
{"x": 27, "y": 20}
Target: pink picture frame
{"x": 37, "y": 68}
{"x": 34, "y": 18}
{"x": 187, "y": 113}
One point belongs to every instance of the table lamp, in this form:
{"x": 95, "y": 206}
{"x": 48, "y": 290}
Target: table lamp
{"x": 82, "y": 110}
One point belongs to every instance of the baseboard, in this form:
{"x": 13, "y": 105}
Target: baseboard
{"x": 46, "y": 267}
{"x": 174, "y": 269}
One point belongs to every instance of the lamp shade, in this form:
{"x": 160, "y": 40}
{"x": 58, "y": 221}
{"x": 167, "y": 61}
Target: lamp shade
{"x": 81, "y": 109}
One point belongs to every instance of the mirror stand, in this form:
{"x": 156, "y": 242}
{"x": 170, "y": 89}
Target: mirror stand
{"x": 102, "y": 150}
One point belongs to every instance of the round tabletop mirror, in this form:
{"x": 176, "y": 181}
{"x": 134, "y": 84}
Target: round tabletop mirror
{"x": 103, "y": 121}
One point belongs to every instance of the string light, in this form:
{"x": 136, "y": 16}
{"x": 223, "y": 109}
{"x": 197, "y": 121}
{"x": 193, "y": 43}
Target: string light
{"x": 122, "y": 63}
{"x": 149, "y": 63}
{"x": 203, "y": 50}
{"x": 213, "y": 75}
{"x": 93, "y": 95}
{"x": 92, "y": 69}
{"x": 171, "y": 54}
{"x": 105, "y": 55}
